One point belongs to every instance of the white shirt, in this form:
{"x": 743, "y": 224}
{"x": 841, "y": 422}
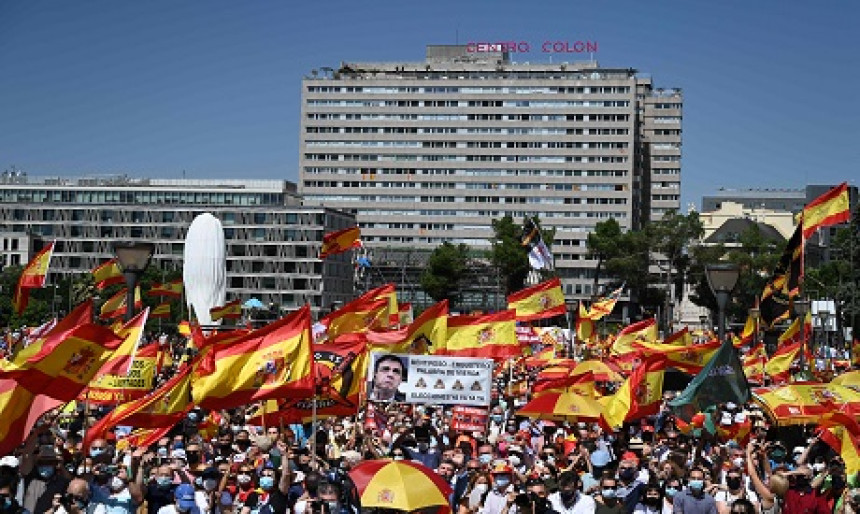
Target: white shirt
{"x": 584, "y": 504}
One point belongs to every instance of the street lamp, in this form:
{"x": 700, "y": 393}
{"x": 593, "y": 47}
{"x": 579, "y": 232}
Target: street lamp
{"x": 801, "y": 307}
{"x": 755, "y": 314}
{"x": 722, "y": 278}
{"x": 823, "y": 320}
{"x": 133, "y": 258}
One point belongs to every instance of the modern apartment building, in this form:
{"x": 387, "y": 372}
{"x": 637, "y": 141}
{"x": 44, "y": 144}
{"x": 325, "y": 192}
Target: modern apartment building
{"x": 273, "y": 242}
{"x": 433, "y": 151}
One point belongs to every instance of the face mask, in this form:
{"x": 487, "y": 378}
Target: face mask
{"x": 46, "y": 471}
{"x": 485, "y": 458}
{"x": 738, "y": 462}
{"x": 210, "y": 484}
{"x": 497, "y": 418}
{"x": 95, "y": 452}
{"x": 626, "y": 474}
{"x": 550, "y": 460}
{"x": 481, "y": 488}
{"x": 82, "y": 470}
{"x": 399, "y": 457}
{"x": 244, "y": 479}
{"x": 734, "y": 483}
{"x": 117, "y": 484}
{"x": 422, "y": 447}
{"x": 193, "y": 457}
{"x": 163, "y": 481}
{"x": 502, "y": 482}
{"x": 566, "y": 496}
{"x": 333, "y": 506}
{"x": 514, "y": 460}
{"x": 697, "y": 485}
{"x": 243, "y": 445}
{"x": 267, "y": 483}
{"x": 671, "y": 492}
{"x": 608, "y": 494}
{"x": 236, "y": 428}
{"x": 818, "y": 467}
{"x": 651, "y": 501}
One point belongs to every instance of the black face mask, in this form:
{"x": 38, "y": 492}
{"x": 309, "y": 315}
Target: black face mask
{"x": 734, "y": 483}
{"x": 193, "y": 457}
{"x": 243, "y": 444}
{"x": 566, "y": 496}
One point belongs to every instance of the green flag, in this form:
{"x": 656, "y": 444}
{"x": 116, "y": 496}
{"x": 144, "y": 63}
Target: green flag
{"x": 721, "y": 381}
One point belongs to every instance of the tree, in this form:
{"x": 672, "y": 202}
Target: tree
{"x": 508, "y": 254}
{"x": 604, "y": 244}
{"x": 446, "y": 266}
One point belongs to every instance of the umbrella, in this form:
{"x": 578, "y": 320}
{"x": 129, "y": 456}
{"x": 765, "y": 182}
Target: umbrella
{"x": 802, "y": 403}
{"x": 602, "y": 371}
{"x": 850, "y": 379}
{"x": 400, "y": 485}
{"x": 253, "y": 303}
{"x": 564, "y": 405}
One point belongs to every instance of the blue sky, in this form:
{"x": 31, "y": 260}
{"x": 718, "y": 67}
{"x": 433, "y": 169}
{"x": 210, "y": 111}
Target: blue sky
{"x": 212, "y": 87}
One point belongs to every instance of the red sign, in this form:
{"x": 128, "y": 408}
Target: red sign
{"x": 469, "y": 419}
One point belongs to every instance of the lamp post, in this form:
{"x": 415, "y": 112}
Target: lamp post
{"x": 755, "y": 314}
{"x": 801, "y": 307}
{"x": 823, "y": 320}
{"x": 722, "y": 278}
{"x": 133, "y": 258}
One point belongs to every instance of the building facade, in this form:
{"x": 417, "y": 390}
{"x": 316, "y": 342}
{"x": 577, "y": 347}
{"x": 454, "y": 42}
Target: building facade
{"x": 433, "y": 151}
{"x": 273, "y": 242}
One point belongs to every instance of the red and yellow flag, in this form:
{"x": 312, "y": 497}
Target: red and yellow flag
{"x": 108, "y": 274}
{"x": 604, "y": 306}
{"x": 389, "y": 292}
{"x": 43, "y": 345}
{"x": 584, "y": 325}
{"x": 831, "y": 208}
{"x": 359, "y": 315}
{"x": 19, "y": 410}
{"x": 747, "y": 333}
{"x": 754, "y": 363}
{"x": 340, "y": 241}
{"x": 491, "y": 335}
{"x": 162, "y": 310}
{"x": 271, "y": 362}
{"x": 114, "y": 307}
{"x": 645, "y": 330}
{"x": 690, "y": 359}
{"x": 120, "y": 362}
{"x": 426, "y": 333}
{"x": 682, "y": 337}
{"x": 640, "y": 395}
{"x": 841, "y": 432}
{"x": 230, "y": 310}
{"x": 404, "y": 314}
{"x": 545, "y": 300}
{"x": 32, "y": 276}
{"x": 172, "y": 289}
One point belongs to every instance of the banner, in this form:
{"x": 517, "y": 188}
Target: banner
{"x": 469, "y": 419}
{"x": 429, "y": 379}
{"x": 115, "y": 389}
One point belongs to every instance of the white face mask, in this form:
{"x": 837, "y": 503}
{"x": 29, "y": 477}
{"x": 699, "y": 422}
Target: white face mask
{"x": 738, "y": 462}
{"x": 481, "y": 488}
{"x": 818, "y": 467}
{"x": 117, "y": 484}
{"x": 514, "y": 460}
{"x": 243, "y": 479}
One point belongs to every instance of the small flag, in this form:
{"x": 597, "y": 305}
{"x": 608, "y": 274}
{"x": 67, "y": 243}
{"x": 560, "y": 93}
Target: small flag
{"x": 33, "y": 276}
{"x": 540, "y": 256}
{"x": 162, "y": 310}
{"x": 172, "y": 289}
{"x": 108, "y": 274}
{"x": 831, "y": 208}
{"x": 544, "y": 300}
{"x": 230, "y": 310}
{"x": 340, "y": 241}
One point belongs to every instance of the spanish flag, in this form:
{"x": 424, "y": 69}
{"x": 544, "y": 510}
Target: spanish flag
{"x": 340, "y": 241}
{"x": 747, "y": 333}
{"x": 754, "y": 363}
{"x": 45, "y": 344}
{"x": 842, "y": 433}
{"x": 389, "y": 292}
{"x": 271, "y": 362}
{"x": 32, "y": 276}
{"x": 114, "y": 307}
{"x": 163, "y": 407}
{"x": 492, "y": 335}
{"x": 108, "y": 274}
{"x": 584, "y": 325}
{"x": 120, "y": 362}
{"x": 692, "y": 359}
{"x": 581, "y": 383}
{"x": 640, "y": 395}
{"x": 359, "y": 315}
{"x": 604, "y": 306}
{"x": 404, "y": 314}
{"x": 19, "y": 410}
{"x": 426, "y": 333}
{"x": 162, "y": 310}
{"x": 645, "y": 330}
{"x": 682, "y": 337}
{"x": 230, "y": 310}
{"x": 172, "y": 289}
{"x": 831, "y": 208}
{"x": 544, "y": 300}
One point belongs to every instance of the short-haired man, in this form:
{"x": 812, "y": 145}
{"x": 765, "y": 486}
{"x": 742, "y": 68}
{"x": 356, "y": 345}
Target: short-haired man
{"x": 694, "y": 499}
{"x": 568, "y": 499}
{"x": 388, "y": 373}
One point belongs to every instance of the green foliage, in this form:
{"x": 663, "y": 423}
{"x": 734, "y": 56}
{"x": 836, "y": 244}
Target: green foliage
{"x": 604, "y": 245}
{"x": 446, "y": 267}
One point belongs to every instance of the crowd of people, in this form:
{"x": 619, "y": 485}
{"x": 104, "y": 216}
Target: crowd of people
{"x": 515, "y": 465}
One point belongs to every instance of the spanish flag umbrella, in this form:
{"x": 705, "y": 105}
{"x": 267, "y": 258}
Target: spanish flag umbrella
{"x": 401, "y": 485}
{"x": 802, "y": 403}
{"x": 850, "y": 379}
{"x": 602, "y": 371}
{"x": 564, "y": 405}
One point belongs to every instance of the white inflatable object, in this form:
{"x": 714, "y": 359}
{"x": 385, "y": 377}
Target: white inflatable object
{"x": 204, "y": 270}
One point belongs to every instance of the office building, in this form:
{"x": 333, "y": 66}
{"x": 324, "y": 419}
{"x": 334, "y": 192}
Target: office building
{"x": 273, "y": 242}
{"x": 433, "y": 151}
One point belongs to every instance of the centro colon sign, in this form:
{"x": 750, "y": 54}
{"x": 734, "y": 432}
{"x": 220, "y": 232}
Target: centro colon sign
{"x": 524, "y": 47}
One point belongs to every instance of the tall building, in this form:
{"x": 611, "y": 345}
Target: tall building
{"x": 272, "y": 241}
{"x": 433, "y": 151}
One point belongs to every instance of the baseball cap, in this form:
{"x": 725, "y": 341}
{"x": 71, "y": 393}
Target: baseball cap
{"x": 185, "y": 497}
{"x": 600, "y": 458}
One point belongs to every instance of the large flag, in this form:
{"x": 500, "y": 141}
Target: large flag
{"x": 539, "y": 255}
{"x": 645, "y": 330}
{"x": 359, "y": 315}
{"x": 44, "y": 344}
{"x": 19, "y": 410}
{"x": 492, "y": 335}
{"x": 32, "y": 276}
{"x": 721, "y": 381}
{"x": 114, "y": 307}
{"x": 172, "y": 289}
{"x": 544, "y": 300}
{"x": 831, "y": 208}
{"x": 230, "y": 310}
{"x": 842, "y": 433}
{"x": 120, "y": 362}
{"x": 108, "y": 274}
{"x": 271, "y": 362}
{"x": 340, "y": 241}
{"x": 384, "y": 291}
{"x": 426, "y": 333}
{"x": 640, "y": 395}
{"x": 785, "y": 282}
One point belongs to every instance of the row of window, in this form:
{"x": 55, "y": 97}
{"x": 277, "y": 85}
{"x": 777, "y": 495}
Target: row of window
{"x": 315, "y": 170}
{"x": 545, "y": 104}
{"x": 470, "y": 144}
{"x": 525, "y": 90}
{"x": 470, "y": 158}
{"x": 469, "y": 117}
{"x": 470, "y": 130}
{"x": 139, "y": 197}
{"x": 485, "y": 186}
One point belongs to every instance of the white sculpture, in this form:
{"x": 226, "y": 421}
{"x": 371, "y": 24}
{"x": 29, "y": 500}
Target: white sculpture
{"x": 204, "y": 270}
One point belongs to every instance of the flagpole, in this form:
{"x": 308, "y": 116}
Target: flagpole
{"x": 314, "y": 424}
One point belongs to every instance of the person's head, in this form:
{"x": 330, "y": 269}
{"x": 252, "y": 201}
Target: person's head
{"x": 98, "y": 449}
{"x": 184, "y": 497}
{"x": 734, "y": 479}
{"x": 397, "y": 454}
{"x": 245, "y": 476}
{"x": 502, "y": 476}
{"x": 8, "y": 488}
{"x": 538, "y": 488}
{"x": 742, "y": 506}
{"x": 388, "y": 373}
{"x": 671, "y": 487}
{"x": 312, "y": 483}
{"x": 242, "y": 440}
{"x": 853, "y": 498}
{"x": 446, "y": 469}
{"x": 77, "y": 496}
{"x": 268, "y": 478}
{"x": 778, "y": 484}
{"x": 608, "y": 488}
{"x": 209, "y": 479}
{"x": 164, "y": 476}
{"x": 627, "y": 471}
{"x": 46, "y": 463}
{"x": 192, "y": 453}
{"x": 652, "y": 496}
{"x": 568, "y": 482}
{"x": 696, "y": 481}
{"x": 330, "y": 493}
{"x": 486, "y": 454}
